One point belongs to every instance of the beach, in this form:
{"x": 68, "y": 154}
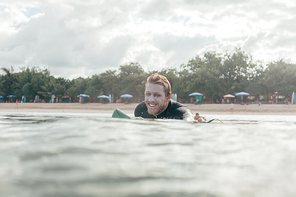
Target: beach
{"x": 272, "y": 109}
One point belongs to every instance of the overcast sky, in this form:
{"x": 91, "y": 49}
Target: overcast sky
{"x": 85, "y": 37}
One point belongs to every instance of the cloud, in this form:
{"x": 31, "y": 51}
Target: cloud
{"x": 80, "y": 38}
{"x": 157, "y": 10}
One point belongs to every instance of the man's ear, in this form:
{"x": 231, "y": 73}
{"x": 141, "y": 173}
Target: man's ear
{"x": 168, "y": 98}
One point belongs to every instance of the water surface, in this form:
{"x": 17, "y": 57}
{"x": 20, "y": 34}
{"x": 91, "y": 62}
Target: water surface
{"x": 95, "y": 155}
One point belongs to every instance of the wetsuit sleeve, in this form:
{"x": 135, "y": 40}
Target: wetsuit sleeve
{"x": 183, "y": 113}
{"x": 188, "y": 116}
{"x": 179, "y": 111}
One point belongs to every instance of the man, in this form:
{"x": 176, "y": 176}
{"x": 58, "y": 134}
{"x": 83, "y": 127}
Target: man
{"x": 158, "y": 103}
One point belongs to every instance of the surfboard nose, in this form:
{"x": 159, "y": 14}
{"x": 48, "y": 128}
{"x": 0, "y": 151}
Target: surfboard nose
{"x": 117, "y": 113}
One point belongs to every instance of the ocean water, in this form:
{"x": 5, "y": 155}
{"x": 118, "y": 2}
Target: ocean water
{"x": 94, "y": 155}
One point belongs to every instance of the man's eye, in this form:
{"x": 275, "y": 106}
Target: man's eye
{"x": 148, "y": 94}
{"x": 157, "y": 95}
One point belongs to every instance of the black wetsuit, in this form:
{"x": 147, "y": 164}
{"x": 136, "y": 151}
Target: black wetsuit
{"x": 174, "y": 110}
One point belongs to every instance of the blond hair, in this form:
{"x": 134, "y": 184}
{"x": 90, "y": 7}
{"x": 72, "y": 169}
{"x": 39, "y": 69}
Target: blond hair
{"x": 161, "y": 80}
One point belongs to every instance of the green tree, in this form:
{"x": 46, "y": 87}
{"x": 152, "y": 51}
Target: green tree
{"x": 8, "y": 82}
{"x": 201, "y": 75}
{"x": 188, "y": 78}
{"x": 280, "y": 77}
{"x": 237, "y": 71}
{"x": 209, "y": 76}
{"x": 94, "y": 87}
{"x": 30, "y": 81}
{"x": 110, "y": 83}
{"x": 132, "y": 80}
{"x": 78, "y": 86}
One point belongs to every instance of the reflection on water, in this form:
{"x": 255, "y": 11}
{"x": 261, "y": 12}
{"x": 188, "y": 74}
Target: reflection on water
{"x": 95, "y": 155}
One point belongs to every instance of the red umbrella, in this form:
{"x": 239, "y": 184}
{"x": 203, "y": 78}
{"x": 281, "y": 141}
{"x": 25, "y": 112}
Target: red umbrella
{"x": 228, "y": 96}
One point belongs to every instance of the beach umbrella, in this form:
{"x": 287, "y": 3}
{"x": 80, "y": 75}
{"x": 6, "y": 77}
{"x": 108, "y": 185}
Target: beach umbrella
{"x": 11, "y": 96}
{"x": 1, "y": 97}
{"x": 126, "y": 96}
{"x": 195, "y": 94}
{"x": 82, "y": 95}
{"x": 242, "y": 94}
{"x": 229, "y": 96}
{"x": 103, "y": 96}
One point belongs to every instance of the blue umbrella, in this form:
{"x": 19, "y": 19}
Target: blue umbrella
{"x": 126, "y": 96}
{"x": 195, "y": 94}
{"x": 103, "y": 96}
{"x": 10, "y": 96}
{"x": 82, "y": 95}
{"x": 242, "y": 94}
{"x": 1, "y": 96}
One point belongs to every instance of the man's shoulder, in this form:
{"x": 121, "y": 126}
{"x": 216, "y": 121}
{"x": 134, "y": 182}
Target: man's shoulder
{"x": 184, "y": 110}
{"x": 178, "y": 111}
{"x": 176, "y": 104}
{"x": 140, "y": 110}
{"x": 177, "y": 107}
{"x": 141, "y": 105}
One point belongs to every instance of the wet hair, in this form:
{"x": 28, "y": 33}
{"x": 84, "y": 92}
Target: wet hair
{"x": 161, "y": 80}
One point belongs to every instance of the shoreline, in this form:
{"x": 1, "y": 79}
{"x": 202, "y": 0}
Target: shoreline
{"x": 264, "y": 109}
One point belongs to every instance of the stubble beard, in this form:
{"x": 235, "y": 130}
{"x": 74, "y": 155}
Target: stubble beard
{"x": 161, "y": 108}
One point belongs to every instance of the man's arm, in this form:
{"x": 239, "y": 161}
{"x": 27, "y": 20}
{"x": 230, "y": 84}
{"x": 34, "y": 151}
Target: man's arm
{"x": 183, "y": 113}
{"x": 188, "y": 116}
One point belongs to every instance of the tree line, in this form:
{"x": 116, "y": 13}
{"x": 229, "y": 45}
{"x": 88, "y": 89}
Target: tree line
{"x": 212, "y": 74}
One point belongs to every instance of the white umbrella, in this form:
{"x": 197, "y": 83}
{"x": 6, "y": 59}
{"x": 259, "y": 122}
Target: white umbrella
{"x": 195, "y": 94}
{"x": 126, "y": 96}
{"x": 103, "y": 96}
{"x": 242, "y": 94}
{"x": 82, "y": 95}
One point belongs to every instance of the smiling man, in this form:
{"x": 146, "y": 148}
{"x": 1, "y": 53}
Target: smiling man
{"x": 158, "y": 103}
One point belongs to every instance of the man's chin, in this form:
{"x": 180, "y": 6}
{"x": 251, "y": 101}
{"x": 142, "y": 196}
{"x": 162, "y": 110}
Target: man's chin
{"x": 152, "y": 112}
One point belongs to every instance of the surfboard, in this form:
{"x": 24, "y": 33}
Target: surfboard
{"x": 117, "y": 113}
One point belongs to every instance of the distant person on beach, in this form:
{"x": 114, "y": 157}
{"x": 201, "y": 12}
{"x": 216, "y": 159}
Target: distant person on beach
{"x": 158, "y": 103}
{"x": 231, "y": 106}
{"x": 199, "y": 118}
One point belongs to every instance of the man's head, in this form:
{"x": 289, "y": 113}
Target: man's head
{"x": 157, "y": 94}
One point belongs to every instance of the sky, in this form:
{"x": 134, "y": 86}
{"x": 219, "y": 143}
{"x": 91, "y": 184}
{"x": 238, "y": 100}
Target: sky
{"x": 81, "y": 38}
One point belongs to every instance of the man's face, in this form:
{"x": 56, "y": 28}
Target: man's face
{"x": 155, "y": 99}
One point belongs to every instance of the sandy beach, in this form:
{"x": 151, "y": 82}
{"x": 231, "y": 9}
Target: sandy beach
{"x": 129, "y": 108}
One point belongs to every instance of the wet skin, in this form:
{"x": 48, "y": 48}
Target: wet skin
{"x": 155, "y": 99}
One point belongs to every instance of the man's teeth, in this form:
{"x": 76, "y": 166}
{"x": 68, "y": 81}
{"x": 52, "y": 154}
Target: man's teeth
{"x": 151, "y": 105}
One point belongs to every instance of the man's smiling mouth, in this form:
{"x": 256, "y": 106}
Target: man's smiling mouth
{"x": 151, "y": 105}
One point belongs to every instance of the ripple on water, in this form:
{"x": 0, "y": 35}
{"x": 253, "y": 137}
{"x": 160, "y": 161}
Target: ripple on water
{"x": 95, "y": 155}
